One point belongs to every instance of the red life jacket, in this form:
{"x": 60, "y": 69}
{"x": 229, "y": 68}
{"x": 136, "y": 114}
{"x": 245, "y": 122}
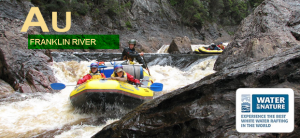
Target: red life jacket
{"x": 89, "y": 76}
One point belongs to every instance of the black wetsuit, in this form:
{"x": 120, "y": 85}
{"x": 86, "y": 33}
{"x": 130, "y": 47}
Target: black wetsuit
{"x": 130, "y": 54}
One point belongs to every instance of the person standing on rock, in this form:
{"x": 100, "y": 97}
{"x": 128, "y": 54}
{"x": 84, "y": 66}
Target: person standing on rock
{"x": 130, "y": 53}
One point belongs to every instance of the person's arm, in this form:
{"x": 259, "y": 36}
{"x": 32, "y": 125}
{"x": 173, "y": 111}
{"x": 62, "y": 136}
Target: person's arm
{"x": 124, "y": 55}
{"x": 136, "y": 81}
{"x": 103, "y": 76}
{"x": 118, "y": 78}
{"x": 79, "y": 81}
{"x": 121, "y": 79}
{"x": 84, "y": 79}
{"x": 131, "y": 53}
{"x": 112, "y": 76}
{"x": 132, "y": 79}
{"x": 141, "y": 61}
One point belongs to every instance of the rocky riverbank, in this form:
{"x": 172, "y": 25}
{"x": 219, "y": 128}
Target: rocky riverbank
{"x": 26, "y": 70}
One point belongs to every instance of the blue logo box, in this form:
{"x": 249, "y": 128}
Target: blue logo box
{"x": 270, "y": 103}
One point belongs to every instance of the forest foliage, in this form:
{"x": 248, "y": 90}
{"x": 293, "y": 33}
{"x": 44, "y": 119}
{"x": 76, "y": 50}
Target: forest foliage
{"x": 92, "y": 8}
{"x": 224, "y": 12}
{"x": 193, "y": 12}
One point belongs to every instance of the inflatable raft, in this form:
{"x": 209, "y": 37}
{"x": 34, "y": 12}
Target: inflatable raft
{"x": 103, "y": 92}
{"x": 204, "y": 50}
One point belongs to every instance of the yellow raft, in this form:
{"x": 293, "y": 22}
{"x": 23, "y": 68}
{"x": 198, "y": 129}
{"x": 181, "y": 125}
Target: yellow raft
{"x": 203, "y": 50}
{"x": 103, "y": 92}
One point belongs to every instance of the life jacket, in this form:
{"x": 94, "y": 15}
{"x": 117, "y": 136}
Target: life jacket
{"x": 130, "y": 79}
{"x": 123, "y": 76}
{"x": 91, "y": 76}
{"x": 126, "y": 56}
{"x": 96, "y": 76}
{"x": 221, "y": 46}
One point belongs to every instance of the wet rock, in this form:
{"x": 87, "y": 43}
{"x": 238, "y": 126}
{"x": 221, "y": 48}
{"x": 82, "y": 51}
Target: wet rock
{"x": 207, "y": 107}
{"x": 5, "y": 89}
{"x": 197, "y": 41}
{"x": 272, "y": 28}
{"x": 180, "y": 45}
{"x": 38, "y": 79}
{"x": 212, "y": 33}
{"x": 24, "y": 69}
{"x": 25, "y": 88}
{"x": 17, "y": 12}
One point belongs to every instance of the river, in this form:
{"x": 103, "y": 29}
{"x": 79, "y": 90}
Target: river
{"x": 52, "y": 115}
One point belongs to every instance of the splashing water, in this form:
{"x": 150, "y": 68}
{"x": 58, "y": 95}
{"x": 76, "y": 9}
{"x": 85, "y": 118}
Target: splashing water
{"x": 47, "y": 112}
{"x": 33, "y": 116}
{"x": 78, "y": 131}
{"x": 164, "y": 48}
{"x": 70, "y": 71}
{"x": 173, "y": 78}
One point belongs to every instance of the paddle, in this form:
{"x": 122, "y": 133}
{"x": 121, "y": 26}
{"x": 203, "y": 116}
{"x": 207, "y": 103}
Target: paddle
{"x": 146, "y": 65}
{"x": 59, "y": 86}
{"x": 156, "y": 87}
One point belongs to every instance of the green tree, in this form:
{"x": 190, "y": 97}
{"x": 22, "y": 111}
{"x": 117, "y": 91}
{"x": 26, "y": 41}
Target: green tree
{"x": 227, "y": 12}
{"x": 255, "y": 3}
{"x": 216, "y": 8}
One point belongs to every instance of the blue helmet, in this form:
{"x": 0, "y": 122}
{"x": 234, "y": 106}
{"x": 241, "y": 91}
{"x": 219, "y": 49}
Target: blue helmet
{"x": 118, "y": 66}
{"x": 94, "y": 65}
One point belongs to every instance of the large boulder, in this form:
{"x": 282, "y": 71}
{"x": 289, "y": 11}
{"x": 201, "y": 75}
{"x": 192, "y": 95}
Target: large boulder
{"x": 12, "y": 9}
{"x": 258, "y": 58}
{"x": 180, "y": 45}
{"x": 211, "y": 32}
{"x": 272, "y": 28}
{"x": 26, "y": 70}
{"x": 5, "y": 89}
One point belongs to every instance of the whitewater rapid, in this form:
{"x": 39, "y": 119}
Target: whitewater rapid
{"x": 52, "y": 115}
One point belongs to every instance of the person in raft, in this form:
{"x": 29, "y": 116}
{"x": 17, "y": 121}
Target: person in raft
{"x": 120, "y": 75}
{"x": 94, "y": 74}
{"x": 213, "y": 46}
{"x": 130, "y": 53}
{"x": 221, "y": 46}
